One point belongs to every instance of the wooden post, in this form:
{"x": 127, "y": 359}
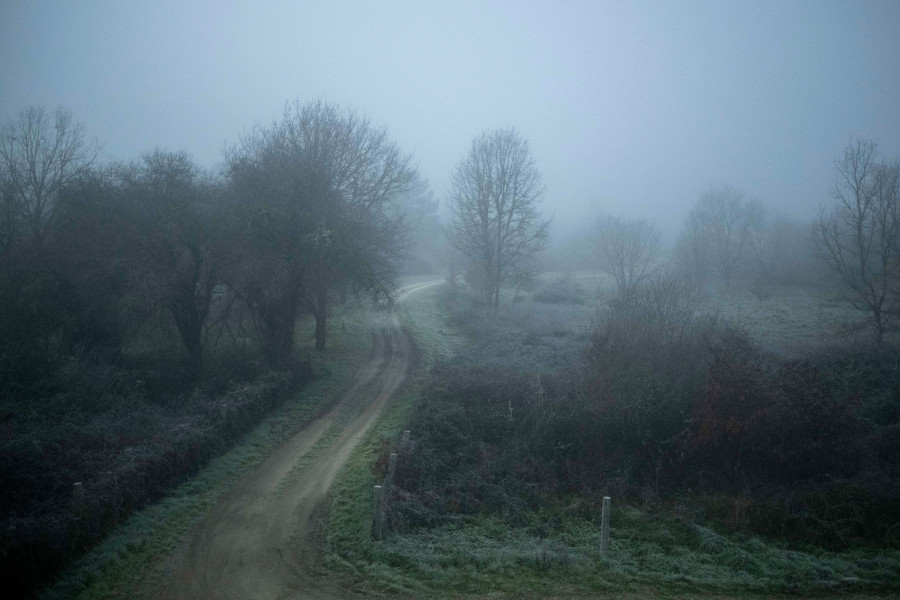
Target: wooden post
{"x": 77, "y": 492}
{"x": 378, "y": 513}
{"x": 604, "y": 526}
{"x": 392, "y": 468}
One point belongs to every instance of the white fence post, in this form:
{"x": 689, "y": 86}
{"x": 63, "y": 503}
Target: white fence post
{"x": 604, "y": 526}
{"x": 78, "y": 492}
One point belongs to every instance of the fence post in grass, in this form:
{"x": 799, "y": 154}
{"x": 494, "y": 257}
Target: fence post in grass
{"x": 604, "y": 526}
{"x": 392, "y": 468}
{"x": 404, "y": 441}
{"x": 77, "y": 493}
{"x": 378, "y": 513}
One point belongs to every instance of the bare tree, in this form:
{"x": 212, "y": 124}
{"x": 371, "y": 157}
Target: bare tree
{"x": 494, "y": 196}
{"x": 626, "y": 249}
{"x": 858, "y": 237}
{"x": 39, "y": 154}
{"x": 321, "y": 183}
{"x": 724, "y": 220}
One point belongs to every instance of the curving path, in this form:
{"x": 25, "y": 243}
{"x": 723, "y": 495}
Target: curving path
{"x": 255, "y": 543}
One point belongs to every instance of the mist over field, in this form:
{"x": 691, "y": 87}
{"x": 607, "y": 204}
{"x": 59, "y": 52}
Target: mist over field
{"x": 323, "y": 299}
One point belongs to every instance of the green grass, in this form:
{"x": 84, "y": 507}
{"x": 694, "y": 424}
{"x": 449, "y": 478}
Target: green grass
{"x": 487, "y": 555}
{"x": 647, "y": 552}
{"x": 423, "y": 315}
{"x": 115, "y": 567}
{"x": 794, "y": 320}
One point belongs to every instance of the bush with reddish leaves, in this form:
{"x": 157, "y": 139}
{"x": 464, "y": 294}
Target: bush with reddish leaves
{"x": 749, "y": 427}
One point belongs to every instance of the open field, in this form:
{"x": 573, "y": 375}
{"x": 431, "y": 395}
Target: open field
{"x": 792, "y": 321}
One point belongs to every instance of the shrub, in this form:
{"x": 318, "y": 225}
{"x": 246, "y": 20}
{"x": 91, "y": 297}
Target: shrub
{"x": 648, "y": 355}
{"x": 748, "y": 427}
{"x": 483, "y": 438}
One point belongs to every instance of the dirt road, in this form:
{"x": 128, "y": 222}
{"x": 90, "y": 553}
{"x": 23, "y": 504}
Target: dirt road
{"x": 254, "y": 543}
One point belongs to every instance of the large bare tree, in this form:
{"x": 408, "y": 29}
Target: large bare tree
{"x": 494, "y": 196}
{"x": 39, "y": 154}
{"x": 626, "y": 249}
{"x": 859, "y": 237}
{"x": 320, "y": 184}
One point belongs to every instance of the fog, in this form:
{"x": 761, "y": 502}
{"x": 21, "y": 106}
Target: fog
{"x": 607, "y": 254}
{"x": 632, "y": 109}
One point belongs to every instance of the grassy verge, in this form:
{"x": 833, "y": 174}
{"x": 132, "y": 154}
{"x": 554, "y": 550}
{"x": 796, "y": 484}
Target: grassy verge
{"x": 349, "y": 546}
{"x": 650, "y": 554}
{"x": 115, "y": 567}
{"x": 424, "y": 316}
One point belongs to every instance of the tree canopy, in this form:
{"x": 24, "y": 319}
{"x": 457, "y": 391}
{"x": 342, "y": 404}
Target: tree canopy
{"x": 316, "y": 191}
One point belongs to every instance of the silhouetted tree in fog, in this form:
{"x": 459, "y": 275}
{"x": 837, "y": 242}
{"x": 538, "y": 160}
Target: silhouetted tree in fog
{"x": 858, "y": 236}
{"x": 494, "y": 196}
{"x": 39, "y": 154}
{"x": 626, "y": 249}
{"x": 45, "y": 313}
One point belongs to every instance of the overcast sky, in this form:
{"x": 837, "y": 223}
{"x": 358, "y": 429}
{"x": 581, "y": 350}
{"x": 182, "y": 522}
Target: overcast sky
{"x": 632, "y": 108}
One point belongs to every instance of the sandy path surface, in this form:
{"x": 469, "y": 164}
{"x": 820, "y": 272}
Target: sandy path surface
{"x": 254, "y": 544}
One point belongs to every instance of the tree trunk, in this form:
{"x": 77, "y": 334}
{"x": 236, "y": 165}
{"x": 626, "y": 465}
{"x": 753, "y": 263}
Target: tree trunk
{"x": 879, "y": 327}
{"x": 278, "y": 331}
{"x": 190, "y": 325}
{"x": 195, "y": 359}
